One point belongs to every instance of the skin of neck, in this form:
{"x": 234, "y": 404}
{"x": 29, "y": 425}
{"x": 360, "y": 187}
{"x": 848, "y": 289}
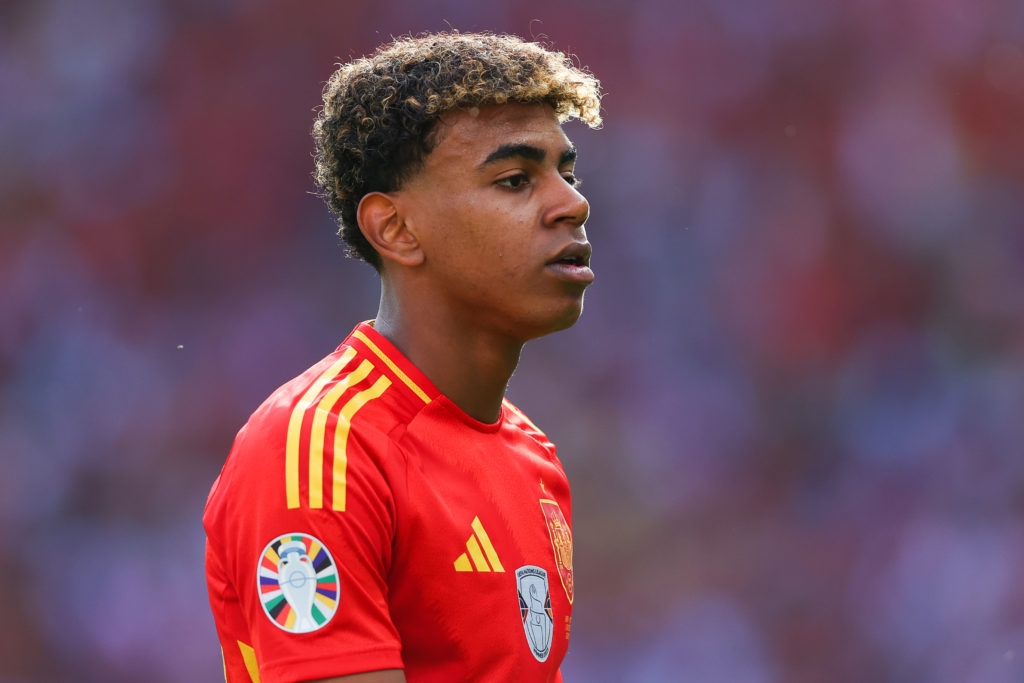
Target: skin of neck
{"x": 468, "y": 364}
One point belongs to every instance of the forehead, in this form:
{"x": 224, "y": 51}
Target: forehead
{"x": 467, "y": 136}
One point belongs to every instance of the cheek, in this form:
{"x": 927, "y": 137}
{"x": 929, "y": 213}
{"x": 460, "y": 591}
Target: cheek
{"x": 490, "y": 237}
{"x": 480, "y": 238}
{"x": 514, "y": 255}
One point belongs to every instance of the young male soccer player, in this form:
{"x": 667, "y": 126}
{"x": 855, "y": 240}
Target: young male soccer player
{"x": 388, "y": 515}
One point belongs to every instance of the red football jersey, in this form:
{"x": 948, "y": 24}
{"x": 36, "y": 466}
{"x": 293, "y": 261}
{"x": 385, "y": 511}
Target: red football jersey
{"x": 363, "y": 521}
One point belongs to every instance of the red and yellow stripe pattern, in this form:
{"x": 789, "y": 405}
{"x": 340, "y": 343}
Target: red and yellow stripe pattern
{"x": 350, "y": 385}
{"x": 320, "y": 402}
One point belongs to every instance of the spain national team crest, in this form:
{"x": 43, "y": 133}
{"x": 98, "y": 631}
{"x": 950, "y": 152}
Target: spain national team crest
{"x": 298, "y": 583}
{"x": 561, "y": 542}
{"x": 535, "y": 609}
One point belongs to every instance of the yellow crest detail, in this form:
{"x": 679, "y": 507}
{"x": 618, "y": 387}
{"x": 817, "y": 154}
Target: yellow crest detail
{"x": 561, "y": 542}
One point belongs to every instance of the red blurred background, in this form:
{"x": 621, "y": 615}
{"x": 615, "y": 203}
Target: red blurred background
{"x": 792, "y": 413}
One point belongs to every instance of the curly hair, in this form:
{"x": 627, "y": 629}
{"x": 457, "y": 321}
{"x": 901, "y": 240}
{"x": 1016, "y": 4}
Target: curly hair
{"x": 375, "y": 128}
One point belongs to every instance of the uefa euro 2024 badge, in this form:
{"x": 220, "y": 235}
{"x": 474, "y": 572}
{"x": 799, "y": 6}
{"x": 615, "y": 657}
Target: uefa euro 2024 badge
{"x": 298, "y": 583}
{"x": 535, "y": 609}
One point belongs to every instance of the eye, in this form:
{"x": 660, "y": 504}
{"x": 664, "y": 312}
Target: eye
{"x": 572, "y": 179}
{"x": 514, "y": 182}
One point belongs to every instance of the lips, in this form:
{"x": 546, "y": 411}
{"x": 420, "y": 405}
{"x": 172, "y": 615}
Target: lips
{"x": 572, "y": 264}
{"x": 573, "y": 254}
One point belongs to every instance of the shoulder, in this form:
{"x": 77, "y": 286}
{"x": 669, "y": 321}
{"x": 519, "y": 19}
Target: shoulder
{"x": 325, "y": 398}
{"x": 338, "y": 415}
{"x": 518, "y": 420}
{"x": 356, "y": 379}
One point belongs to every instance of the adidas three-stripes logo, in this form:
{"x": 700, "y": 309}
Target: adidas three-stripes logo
{"x": 480, "y": 551}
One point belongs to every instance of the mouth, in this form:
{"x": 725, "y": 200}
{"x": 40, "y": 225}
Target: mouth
{"x": 575, "y": 254}
{"x": 572, "y": 264}
{"x": 570, "y": 261}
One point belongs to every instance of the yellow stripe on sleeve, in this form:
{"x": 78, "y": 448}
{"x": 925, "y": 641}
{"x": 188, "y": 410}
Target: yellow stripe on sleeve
{"x": 291, "y": 458}
{"x": 394, "y": 368}
{"x": 341, "y": 431}
{"x": 316, "y": 439}
{"x": 249, "y": 658}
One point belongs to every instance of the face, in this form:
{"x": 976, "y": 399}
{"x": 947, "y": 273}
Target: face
{"x": 500, "y": 222}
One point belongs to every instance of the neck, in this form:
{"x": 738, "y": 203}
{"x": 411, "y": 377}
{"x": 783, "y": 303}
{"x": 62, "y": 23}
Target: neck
{"x": 470, "y": 366}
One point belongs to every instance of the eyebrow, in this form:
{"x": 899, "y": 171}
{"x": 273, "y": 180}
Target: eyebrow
{"x": 529, "y": 152}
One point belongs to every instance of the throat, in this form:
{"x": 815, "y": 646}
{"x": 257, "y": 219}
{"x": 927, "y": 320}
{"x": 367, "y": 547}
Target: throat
{"x": 476, "y": 382}
{"x": 473, "y": 371}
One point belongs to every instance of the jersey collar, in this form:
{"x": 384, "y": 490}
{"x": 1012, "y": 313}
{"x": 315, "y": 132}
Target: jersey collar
{"x": 401, "y": 367}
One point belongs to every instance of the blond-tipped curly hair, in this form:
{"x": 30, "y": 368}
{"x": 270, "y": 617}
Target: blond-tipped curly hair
{"x": 374, "y": 129}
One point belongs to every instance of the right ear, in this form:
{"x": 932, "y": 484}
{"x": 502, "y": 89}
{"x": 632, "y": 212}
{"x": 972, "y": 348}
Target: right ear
{"x": 382, "y": 223}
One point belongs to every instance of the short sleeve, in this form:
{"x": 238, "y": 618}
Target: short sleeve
{"x": 310, "y": 579}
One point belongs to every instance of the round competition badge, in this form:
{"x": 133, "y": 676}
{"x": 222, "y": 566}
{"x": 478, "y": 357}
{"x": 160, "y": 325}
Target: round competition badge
{"x": 298, "y": 583}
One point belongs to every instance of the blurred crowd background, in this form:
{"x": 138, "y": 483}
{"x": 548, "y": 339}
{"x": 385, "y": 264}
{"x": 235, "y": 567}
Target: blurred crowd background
{"x": 793, "y": 410}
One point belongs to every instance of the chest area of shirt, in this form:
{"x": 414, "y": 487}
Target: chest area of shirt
{"x": 485, "y": 528}
{"x": 498, "y": 502}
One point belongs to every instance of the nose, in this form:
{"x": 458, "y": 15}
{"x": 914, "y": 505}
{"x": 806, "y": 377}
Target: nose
{"x": 567, "y": 205}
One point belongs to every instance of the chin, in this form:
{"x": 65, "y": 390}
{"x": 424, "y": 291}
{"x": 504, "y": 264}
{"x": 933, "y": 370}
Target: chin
{"x": 569, "y": 319}
{"x": 556, "y": 321}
